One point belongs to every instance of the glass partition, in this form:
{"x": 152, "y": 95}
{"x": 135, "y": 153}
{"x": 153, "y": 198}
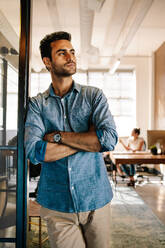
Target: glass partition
{"x": 9, "y": 50}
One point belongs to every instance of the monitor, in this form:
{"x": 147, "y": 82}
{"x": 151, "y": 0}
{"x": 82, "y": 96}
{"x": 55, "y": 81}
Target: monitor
{"x": 156, "y": 137}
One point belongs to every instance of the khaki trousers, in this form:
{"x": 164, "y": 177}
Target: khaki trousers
{"x": 78, "y": 230}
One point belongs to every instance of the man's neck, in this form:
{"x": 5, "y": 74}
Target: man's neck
{"x": 62, "y": 85}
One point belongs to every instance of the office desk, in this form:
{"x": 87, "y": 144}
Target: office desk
{"x": 137, "y": 158}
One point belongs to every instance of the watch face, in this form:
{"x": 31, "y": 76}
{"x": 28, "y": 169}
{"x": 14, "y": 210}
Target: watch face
{"x": 57, "y": 138}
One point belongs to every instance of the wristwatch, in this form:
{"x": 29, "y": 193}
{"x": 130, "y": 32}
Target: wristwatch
{"x": 57, "y": 138}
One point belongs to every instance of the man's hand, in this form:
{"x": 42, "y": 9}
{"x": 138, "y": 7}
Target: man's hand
{"x": 56, "y": 151}
{"x": 50, "y": 137}
{"x": 91, "y": 128}
{"x": 86, "y": 141}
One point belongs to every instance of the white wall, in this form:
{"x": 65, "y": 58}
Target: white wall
{"x": 144, "y": 90}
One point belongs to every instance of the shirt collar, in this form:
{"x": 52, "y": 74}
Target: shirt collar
{"x": 50, "y": 91}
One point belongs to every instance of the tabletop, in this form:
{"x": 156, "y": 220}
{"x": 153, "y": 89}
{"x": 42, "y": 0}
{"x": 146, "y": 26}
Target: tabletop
{"x": 137, "y": 158}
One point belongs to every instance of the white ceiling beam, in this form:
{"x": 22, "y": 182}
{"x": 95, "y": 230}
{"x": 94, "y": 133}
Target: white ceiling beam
{"x": 136, "y": 15}
{"x": 120, "y": 14}
{"x": 7, "y": 30}
{"x": 86, "y": 25}
{"x": 54, "y": 14}
{"x": 86, "y": 29}
{"x": 95, "y": 5}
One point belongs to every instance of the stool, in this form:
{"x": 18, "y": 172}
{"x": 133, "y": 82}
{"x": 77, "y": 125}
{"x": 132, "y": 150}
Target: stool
{"x": 34, "y": 211}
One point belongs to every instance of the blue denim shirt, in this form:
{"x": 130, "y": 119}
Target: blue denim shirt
{"x": 79, "y": 182}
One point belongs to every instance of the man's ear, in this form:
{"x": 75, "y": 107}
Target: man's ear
{"x": 47, "y": 62}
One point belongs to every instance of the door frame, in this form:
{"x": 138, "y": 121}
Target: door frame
{"x": 23, "y": 86}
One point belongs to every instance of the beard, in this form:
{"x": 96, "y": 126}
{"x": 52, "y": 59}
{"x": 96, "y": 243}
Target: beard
{"x": 63, "y": 71}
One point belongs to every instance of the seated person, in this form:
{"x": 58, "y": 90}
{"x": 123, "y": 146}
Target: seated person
{"x": 135, "y": 143}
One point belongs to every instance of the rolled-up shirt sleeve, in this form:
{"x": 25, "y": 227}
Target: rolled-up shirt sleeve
{"x": 35, "y": 146}
{"x": 104, "y": 123}
{"x": 40, "y": 150}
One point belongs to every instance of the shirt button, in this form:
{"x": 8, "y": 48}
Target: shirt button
{"x": 72, "y": 188}
{"x": 65, "y": 116}
{"x": 70, "y": 169}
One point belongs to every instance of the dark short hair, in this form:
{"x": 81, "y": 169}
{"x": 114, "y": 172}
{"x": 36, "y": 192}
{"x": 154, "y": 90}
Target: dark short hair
{"x": 45, "y": 48}
{"x": 137, "y": 130}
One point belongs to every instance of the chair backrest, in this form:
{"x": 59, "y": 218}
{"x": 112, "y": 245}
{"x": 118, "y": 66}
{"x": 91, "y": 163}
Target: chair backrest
{"x": 3, "y": 195}
{"x": 34, "y": 170}
{"x": 144, "y": 146}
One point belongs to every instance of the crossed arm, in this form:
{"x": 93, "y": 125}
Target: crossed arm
{"x": 104, "y": 138}
{"x": 71, "y": 143}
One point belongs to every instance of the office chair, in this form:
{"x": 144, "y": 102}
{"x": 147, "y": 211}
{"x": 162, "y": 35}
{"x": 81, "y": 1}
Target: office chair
{"x": 3, "y": 195}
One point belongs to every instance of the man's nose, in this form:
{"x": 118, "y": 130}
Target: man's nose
{"x": 68, "y": 57}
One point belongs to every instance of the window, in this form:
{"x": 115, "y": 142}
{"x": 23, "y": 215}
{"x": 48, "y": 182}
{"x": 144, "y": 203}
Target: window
{"x": 39, "y": 83}
{"x": 80, "y": 77}
{"x": 120, "y": 90}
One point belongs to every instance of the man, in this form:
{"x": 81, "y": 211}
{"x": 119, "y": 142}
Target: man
{"x": 67, "y": 128}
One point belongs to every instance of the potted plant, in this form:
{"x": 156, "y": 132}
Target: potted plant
{"x": 153, "y": 150}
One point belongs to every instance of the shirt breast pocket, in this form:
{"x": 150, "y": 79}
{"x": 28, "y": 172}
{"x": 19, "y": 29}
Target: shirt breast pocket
{"x": 80, "y": 118}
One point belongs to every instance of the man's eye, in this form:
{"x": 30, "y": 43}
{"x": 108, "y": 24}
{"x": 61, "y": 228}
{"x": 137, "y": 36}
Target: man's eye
{"x": 62, "y": 53}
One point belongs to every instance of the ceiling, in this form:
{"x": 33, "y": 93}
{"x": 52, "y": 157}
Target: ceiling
{"x": 103, "y": 31}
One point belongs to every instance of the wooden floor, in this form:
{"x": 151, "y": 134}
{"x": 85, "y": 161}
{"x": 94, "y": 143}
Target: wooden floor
{"x": 153, "y": 195}
{"x": 152, "y": 192}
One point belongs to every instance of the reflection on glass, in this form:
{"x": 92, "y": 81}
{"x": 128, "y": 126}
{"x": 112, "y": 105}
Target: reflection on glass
{"x": 12, "y": 102}
{"x": 9, "y": 49}
{"x": 1, "y": 92}
{"x": 7, "y": 193}
{"x": 6, "y": 245}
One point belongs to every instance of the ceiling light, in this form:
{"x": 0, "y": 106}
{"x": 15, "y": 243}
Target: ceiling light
{"x": 12, "y": 51}
{"x": 4, "y": 50}
{"x": 114, "y": 67}
{"x": 95, "y": 5}
{"x": 8, "y": 51}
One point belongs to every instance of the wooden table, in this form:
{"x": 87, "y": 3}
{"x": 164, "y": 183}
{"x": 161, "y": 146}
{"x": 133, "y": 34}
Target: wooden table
{"x": 137, "y": 158}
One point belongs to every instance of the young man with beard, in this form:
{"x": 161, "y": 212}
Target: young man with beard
{"x": 67, "y": 128}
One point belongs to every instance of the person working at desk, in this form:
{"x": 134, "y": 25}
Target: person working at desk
{"x": 67, "y": 128}
{"x": 135, "y": 143}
